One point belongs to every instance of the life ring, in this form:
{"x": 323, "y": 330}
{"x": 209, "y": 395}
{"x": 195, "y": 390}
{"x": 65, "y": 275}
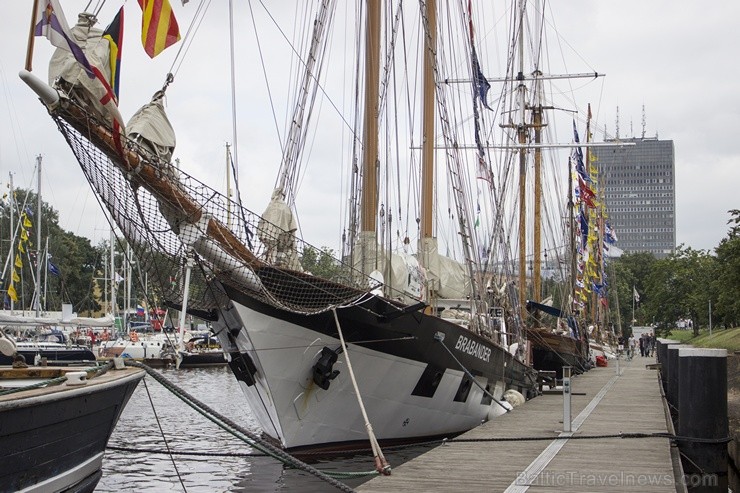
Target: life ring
{"x": 134, "y": 336}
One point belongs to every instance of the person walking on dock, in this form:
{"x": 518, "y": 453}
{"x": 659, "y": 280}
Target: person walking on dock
{"x": 642, "y": 345}
{"x": 631, "y": 347}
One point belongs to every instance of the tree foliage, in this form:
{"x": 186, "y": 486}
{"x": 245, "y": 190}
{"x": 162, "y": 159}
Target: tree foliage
{"x": 682, "y": 286}
{"x": 74, "y": 257}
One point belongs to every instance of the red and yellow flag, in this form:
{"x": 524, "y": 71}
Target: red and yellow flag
{"x": 158, "y": 26}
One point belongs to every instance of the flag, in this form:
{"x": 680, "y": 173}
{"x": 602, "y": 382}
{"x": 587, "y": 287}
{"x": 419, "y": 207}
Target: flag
{"x": 53, "y": 269}
{"x": 140, "y": 311}
{"x": 635, "y": 294}
{"x": 158, "y": 26}
{"x": 18, "y": 261}
{"x": 24, "y": 234}
{"x": 50, "y": 23}
{"x": 11, "y": 293}
{"x": 16, "y": 277}
{"x": 21, "y": 248}
{"x": 114, "y": 34}
{"x": 480, "y": 83}
{"x": 27, "y": 222}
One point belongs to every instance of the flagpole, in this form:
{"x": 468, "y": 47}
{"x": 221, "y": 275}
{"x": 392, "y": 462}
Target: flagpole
{"x": 31, "y": 37}
{"x": 632, "y": 322}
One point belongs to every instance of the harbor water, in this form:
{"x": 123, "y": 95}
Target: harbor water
{"x": 204, "y": 457}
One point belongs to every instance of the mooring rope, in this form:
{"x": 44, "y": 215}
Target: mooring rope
{"x": 97, "y": 370}
{"x": 381, "y": 464}
{"x": 248, "y": 436}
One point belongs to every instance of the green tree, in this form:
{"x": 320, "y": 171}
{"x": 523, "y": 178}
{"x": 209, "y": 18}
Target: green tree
{"x": 726, "y": 284}
{"x": 680, "y": 288}
{"x": 321, "y": 263}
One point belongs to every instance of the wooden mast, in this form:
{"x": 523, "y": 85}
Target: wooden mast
{"x": 427, "y": 150}
{"x": 522, "y": 134}
{"x": 370, "y": 134}
{"x": 537, "y": 239}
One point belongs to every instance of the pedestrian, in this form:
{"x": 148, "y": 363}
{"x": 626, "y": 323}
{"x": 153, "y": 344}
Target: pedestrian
{"x": 632, "y": 347}
{"x": 642, "y": 345}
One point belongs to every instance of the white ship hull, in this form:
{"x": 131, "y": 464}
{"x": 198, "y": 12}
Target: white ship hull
{"x": 294, "y": 410}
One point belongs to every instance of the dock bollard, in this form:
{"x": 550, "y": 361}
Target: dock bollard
{"x": 566, "y": 399}
{"x": 663, "y": 345}
{"x": 661, "y": 352}
{"x": 702, "y": 414}
{"x": 672, "y": 360}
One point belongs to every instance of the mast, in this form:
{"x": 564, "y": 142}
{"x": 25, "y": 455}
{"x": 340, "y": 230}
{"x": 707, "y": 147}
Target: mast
{"x": 369, "y": 203}
{"x": 38, "y": 238}
{"x": 522, "y": 135}
{"x": 228, "y": 185}
{"x": 428, "y": 246}
{"x": 11, "y": 254}
{"x": 427, "y": 150}
{"x": 537, "y": 239}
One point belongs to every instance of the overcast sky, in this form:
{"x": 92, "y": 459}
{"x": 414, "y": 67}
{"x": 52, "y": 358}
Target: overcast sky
{"x": 678, "y": 60}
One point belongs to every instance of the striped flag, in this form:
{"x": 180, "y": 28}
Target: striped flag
{"x": 158, "y": 26}
{"x": 114, "y": 34}
{"x": 50, "y": 23}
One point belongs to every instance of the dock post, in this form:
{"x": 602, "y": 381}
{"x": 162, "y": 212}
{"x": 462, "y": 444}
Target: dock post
{"x": 702, "y": 413}
{"x": 566, "y": 399}
{"x": 671, "y": 390}
{"x": 662, "y": 354}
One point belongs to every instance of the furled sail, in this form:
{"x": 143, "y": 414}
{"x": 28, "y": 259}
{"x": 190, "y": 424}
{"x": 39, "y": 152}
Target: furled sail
{"x": 276, "y": 229}
{"x": 66, "y": 73}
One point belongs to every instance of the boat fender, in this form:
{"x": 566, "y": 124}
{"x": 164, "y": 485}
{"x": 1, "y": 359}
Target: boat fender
{"x": 7, "y": 346}
{"x": 323, "y": 372}
{"x": 514, "y": 398}
{"x": 76, "y": 378}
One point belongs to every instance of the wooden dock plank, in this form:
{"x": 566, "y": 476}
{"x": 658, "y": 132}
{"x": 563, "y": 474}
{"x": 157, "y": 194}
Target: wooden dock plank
{"x": 632, "y": 404}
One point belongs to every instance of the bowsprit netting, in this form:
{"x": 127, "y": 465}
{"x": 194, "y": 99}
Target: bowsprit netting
{"x": 162, "y": 211}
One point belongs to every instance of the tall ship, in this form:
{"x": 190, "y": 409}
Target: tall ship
{"x": 389, "y": 338}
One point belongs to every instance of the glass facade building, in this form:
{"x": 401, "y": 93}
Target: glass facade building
{"x": 639, "y": 183}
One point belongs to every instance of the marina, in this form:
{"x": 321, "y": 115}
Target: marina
{"x": 473, "y": 324}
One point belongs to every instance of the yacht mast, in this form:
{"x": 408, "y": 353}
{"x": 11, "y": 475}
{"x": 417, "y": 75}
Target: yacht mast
{"x": 38, "y": 238}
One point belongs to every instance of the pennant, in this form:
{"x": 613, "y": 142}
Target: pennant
{"x": 18, "y": 261}
{"x": 114, "y": 34}
{"x": 480, "y": 83}
{"x": 24, "y": 234}
{"x": 53, "y": 270}
{"x": 159, "y": 28}
{"x": 51, "y": 23}
{"x": 21, "y": 248}
{"x": 11, "y": 293}
{"x": 27, "y": 222}
{"x": 15, "y": 276}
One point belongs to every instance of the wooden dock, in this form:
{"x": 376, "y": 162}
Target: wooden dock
{"x": 603, "y": 404}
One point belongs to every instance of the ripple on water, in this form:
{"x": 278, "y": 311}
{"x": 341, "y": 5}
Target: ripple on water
{"x": 185, "y": 430}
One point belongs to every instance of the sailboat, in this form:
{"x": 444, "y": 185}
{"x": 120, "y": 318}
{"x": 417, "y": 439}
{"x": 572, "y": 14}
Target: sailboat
{"x": 400, "y": 347}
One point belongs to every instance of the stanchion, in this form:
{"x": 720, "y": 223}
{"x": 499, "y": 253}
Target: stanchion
{"x": 566, "y": 399}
